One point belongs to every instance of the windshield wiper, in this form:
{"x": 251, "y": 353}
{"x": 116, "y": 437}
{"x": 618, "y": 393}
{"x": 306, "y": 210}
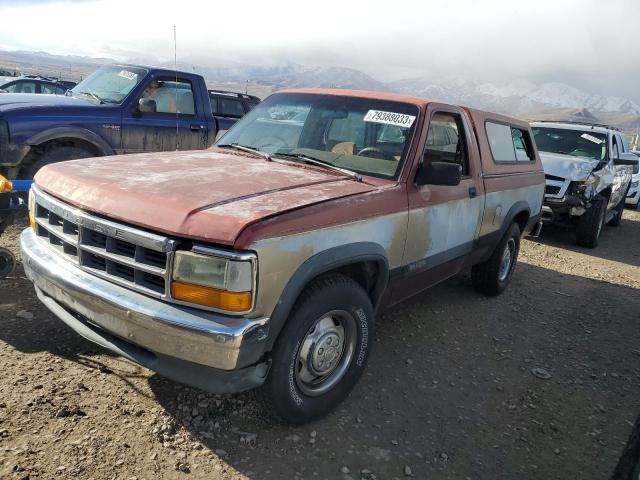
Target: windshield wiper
{"x": 314, "y": 161}
{"x": 92, "y": 95}
{"x": 245, "y": 148}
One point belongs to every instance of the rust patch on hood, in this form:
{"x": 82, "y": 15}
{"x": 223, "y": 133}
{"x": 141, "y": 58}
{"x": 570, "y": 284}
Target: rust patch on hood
{"x": 202, "y": 195}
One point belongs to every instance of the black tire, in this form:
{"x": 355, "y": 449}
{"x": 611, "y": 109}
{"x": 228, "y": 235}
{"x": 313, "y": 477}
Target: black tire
{"x": 7, "y": 262}
{"x": 591, "y": 222}
{"x": 57, "y": 154}
{"x": 284, "y": 390}
{"x": 493, "y": 276}
{"x": 619, "y": 209}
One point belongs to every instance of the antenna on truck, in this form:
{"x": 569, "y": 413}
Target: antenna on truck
{"x": 175, "y": 87}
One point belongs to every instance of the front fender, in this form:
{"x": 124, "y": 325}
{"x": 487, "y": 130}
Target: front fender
{"x": 324, "y": 262}
{"x": 72, "y": 132}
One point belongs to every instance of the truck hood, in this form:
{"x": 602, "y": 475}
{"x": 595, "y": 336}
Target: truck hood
{"x": 570, "y": 167}
{"x": 22, "y": 100}
{"x": 203, "y": 195}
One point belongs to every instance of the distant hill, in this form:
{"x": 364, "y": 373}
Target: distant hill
{"x": 520, "y": 97}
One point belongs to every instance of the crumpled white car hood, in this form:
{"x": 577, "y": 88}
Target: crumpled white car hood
{"x": 570, "y": 167}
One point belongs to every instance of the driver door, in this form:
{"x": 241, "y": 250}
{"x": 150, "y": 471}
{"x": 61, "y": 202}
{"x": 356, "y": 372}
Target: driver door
{"x": 444, "y": 221}
{"x": 176, "y": 124}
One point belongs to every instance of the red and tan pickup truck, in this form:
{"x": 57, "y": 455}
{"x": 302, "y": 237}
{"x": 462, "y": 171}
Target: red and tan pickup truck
{"x": 263, "y": 261}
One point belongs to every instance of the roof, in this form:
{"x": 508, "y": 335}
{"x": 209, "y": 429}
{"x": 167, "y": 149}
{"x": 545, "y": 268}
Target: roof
{"x": 393, "y": 97}
{"x": 421, "y": 103}
{"x": 581, "y": 127}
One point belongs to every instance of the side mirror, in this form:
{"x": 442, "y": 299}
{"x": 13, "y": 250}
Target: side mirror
{"x": 439, "y": 173}
{"x": 626, "y": 159}
{"x": 146, "y": 105}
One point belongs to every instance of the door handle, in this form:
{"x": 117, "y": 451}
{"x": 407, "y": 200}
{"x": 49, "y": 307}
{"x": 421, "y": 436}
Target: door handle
{"x": 196, "y": 126}
{"x": 472, "y": 191}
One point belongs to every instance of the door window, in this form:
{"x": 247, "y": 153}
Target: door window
{"x": 624, "y": 146}
{"x": 230, "y": 107}
{"x": 615, "y": 149}
{"x": 46, "y": 88}
{"x": 22, "y": 87}
{"x": 445, "y": 141}
{"x": 170, "y": 96}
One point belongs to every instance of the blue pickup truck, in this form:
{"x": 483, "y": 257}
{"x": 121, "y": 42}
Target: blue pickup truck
{"x": 117, "y": 109}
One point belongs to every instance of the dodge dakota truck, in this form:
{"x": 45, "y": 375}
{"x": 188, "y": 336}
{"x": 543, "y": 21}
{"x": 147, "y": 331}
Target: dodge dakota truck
{"x": 262, "y": 262}
{"x": 588, "y": 170}
{"x": 117, "y": 109}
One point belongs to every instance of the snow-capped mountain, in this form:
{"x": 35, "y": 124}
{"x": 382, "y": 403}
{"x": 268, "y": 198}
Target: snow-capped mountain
{"x": 517, "y": 96}
{"x": 514, "y": 97}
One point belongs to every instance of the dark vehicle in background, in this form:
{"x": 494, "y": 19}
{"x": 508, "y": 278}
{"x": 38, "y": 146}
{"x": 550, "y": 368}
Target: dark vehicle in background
{"x": 36, "y": 84}
{"x": 110, "y": 112}
{"x": 228, "y": 107}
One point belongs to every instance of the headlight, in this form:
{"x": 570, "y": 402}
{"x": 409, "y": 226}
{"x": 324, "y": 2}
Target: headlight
{"x": 213, "y": 281}
{"x": 633, "y": 185}
{"x": 32, "y": 210}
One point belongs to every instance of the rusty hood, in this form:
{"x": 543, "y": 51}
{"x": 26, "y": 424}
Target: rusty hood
{"x": 203, "y": 195}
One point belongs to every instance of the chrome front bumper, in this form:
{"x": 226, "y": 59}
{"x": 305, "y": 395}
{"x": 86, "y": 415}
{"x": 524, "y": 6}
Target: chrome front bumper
{"x": 100, "y": 310}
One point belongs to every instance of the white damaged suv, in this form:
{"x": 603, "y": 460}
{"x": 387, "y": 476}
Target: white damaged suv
{"x": 633, "y": 195}
{"x": 587, "y": 172}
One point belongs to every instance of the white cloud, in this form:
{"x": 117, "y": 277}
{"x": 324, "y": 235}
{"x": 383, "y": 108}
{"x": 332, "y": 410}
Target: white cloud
{"x": 389, "y": 39}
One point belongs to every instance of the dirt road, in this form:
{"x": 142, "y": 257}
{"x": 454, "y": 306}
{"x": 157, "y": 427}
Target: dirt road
{"x": 542, "y": 382}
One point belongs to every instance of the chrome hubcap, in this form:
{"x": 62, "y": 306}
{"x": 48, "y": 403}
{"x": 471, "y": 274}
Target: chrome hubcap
{"x": 507, "y": 258}
{"x": 325, "y": 352}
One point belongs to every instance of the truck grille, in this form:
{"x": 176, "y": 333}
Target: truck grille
{"x": 124, "y": 255}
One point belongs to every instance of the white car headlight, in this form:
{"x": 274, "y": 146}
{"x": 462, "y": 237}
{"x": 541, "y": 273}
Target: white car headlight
{"x": 213, "y": 281}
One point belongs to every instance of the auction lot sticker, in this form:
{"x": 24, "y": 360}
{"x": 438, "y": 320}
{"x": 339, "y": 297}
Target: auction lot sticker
{"x": 390, "y": 118}
{"x": 127, "y": 74}
{"x": 591, "y": 138}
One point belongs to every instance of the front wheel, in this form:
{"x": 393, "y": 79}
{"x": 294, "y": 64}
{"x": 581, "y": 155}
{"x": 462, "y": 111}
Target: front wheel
{"x": 615, "y": 221}
{"x": 57, "y": 154}
{"x": 7, "y": 262}
{"x": 591, "y": 222}
{"x": 322, "y": 350}
{"x": 493, "y": 276}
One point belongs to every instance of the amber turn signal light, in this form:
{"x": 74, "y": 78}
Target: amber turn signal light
{"x": 32, "y": 221}
{"x": 211, "y": 297}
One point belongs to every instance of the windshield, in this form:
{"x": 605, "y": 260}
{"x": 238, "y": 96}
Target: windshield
{"x": 363, "y": 135}
{"x": 110, "y": 83}
{"x": 577, "y": 143}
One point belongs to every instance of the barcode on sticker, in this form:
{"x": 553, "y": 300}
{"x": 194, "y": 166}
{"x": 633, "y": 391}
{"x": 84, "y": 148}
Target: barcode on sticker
{"x": 390, "y": 118}
{"x": 127, "y": 74}
{"x": 591, "y": 138}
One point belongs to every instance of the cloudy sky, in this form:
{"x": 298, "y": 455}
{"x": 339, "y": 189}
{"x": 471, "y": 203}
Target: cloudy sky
{"x": 591, "y": 44}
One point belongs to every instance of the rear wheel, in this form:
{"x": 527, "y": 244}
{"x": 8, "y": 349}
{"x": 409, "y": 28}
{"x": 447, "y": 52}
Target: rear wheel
{"x": 58, "y": 154}
{"x": 591, "y": 222}
{"x": 493, "y": 276}
{"x": 322, "y": 350}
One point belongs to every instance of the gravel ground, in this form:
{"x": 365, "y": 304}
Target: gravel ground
{"x": 541, "y": 382}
